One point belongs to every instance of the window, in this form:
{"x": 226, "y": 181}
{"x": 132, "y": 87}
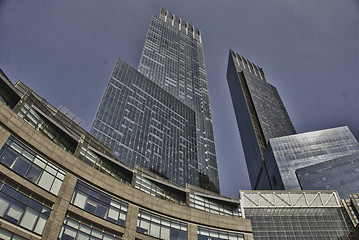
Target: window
{"x": 160, "y": 226}
{"x": 214, "y": 234}
{"x": 31, "y": 166}
{"x": 5, "y": 234}
{"x": 74, "y": 227}
{"x": 58, "y": 136}
{"x": 23, "y": 208}
{"x": 99, "y": 203}
{"x": 214, "y": 206}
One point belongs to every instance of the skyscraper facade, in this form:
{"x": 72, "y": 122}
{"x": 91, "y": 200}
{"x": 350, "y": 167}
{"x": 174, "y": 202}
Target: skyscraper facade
{"x": 183, "y": 149}
{"x": 324, "y": 159}
{"x": 278, "y": 158}
{"x": 260, "y": 114}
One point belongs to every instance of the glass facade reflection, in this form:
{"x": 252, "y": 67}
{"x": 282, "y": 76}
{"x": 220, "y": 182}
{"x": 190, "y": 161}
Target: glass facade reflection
{"x": 296, "y": 215}
{"x": 74, "y": 227}
{"x": 173, "y": 58}
{"x": 260, "y": 114}
{"x": 317, "y": 149}
{"x": 23, "y": 208}
{"x": 146, "y": 126}
{"x": 159, "y": 117}
{"x": 99, "y": 203}
{"x": 297, "y": 223}
{"x": 32, "y": 166}
{"x": 7, "y": 235}
{"x": 215, "y": 234}
{"x": 160, "y": 227}
{"x": 341, "y": 174}
{"x": 214, "y": 205}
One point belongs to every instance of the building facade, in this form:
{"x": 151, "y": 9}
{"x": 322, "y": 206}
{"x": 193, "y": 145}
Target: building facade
{"x": 296, "y": 215}
{"x": 325, "y": 159}
{"x": 277, "y": 158}
{"x": 172, "y": 58}
{"x": 59, "y": 182}
{"x": 260, "y": 115}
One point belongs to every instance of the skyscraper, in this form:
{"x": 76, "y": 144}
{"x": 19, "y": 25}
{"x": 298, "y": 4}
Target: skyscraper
{"x": 324, "y": 159}
{"x": 278, "y": 158}
{"x": 260, "y": 114}
{"x": 171, "y": 134}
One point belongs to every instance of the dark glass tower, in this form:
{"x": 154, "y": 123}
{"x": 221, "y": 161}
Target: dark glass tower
{"x": 278, "y": 158}
{"x": 260, "y": 115}
{"x": 163, "y": 121}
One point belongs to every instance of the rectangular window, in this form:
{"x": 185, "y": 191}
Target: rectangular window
{"x": 5, "y": 234}
{"x": 27, "y": 210}
{"x": 99, "y": 203}
{"x": 210, "y": 233}
{"x": 160, "y": 227}
{"x": 74, "y": 227}
{"x": 32, "y": 166}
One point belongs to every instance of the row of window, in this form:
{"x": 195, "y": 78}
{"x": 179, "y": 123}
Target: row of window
{"x": 31, "y": 165}
{"x": 99, "y": 203}
{"x": 160, "y": 226}
{"x": 22, "y": 209}
{"x": 213, "y": 234}
{"x": 158, "y": 190}
{"x": 32, "y": 212}
{"x": 74, "y": 227}
{"x": 35, "y": 119}
{"x": 5, "y": 234}
{"x": 214, "y": 206}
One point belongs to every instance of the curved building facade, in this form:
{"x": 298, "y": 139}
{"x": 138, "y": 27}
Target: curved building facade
{"x": 59, "y": 182}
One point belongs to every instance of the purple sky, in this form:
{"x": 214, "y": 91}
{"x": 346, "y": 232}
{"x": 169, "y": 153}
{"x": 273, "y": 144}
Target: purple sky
{"x": 65, "y": 51}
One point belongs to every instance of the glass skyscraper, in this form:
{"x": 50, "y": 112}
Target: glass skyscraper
{"x": 260, "y": 114}
{"x": 278, "y": 158}
{"x": 163, "y": 121}
{"x": 325, "y": 159}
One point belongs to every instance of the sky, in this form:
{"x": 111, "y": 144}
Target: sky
{"x": 309, "y": 50}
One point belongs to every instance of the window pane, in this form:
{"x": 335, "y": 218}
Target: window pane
{"x": 165, "y": 232}
{"x": 80, "y": 199}
{"x": 17, "y": 237}
{"x": 29, "y": 219}
{"x": 85, "y": 229}
{"x": 91, "y": 205}
{"x": 15, "y": 212}
{"x": 113, "y": 213}
{"x": 21, "y": 165}
{"x": 33, "y": 174}
{"x": 69, "y": 233}
{"x": 101, "y": 211}
{"x": 96, "y": 233}
{"x": 46, "y": 180}
{"x": 4, "y": 204}
{"x": 40, "y": 224}
{"x": 5, "y": 234}
{"x": 8, "y": 158}
{"x": 155, "y": 230}
{"x": 82, "y": 236}
{"x": 56, "y": 186}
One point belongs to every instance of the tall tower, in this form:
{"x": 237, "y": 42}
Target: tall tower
{"x": 173, "y": 58}
{"x": 162, "y": 122}
{"x": 260, "y": 115}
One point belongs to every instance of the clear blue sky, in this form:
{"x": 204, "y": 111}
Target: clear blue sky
{"x": 65, "y": 50}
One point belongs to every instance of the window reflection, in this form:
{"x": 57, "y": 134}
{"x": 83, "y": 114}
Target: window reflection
{"x": 31, "y": 165}
{"x": 160, "y": 226}
{"x": 23, "y": 209}
{"x": 99, "y": 203}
